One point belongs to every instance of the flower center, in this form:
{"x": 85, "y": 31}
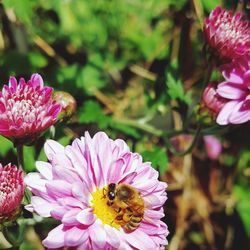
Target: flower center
{"x": 102, "y": 210}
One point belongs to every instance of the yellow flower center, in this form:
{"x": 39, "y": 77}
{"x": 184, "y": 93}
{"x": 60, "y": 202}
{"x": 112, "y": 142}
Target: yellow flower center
{"x": 102, "y": 210}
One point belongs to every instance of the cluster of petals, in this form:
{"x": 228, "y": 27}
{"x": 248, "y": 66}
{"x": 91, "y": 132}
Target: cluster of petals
{"x": 227, "y": 34}
{"x": 26, "y": 109}
{"x": 212, "y": 100}
{"x": 236, "y": 90}
{"x": 11, "y": 190}
{"x": 64, "y": 186}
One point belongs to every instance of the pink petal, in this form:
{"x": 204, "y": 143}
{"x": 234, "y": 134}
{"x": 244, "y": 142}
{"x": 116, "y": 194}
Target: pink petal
{"x": 51, "y": 148}
{"x": 86, "y": 217}
{"x": 231, "y": 91}
{"x": 41, "y": 206}
{"x": 45, "y": 169}
{"x": 37, "y": 80}
{"x": 140, "y": 240}
{"x": 113, "y": 236}
{"x": 13, "y": 83}
{"x": 237, "y": 116}
{"x": 98, "y": 234}
{"x": 58, "y": 188}
{"x": 69, "y": 218}
{"x": 94, "y": 167}
{"x": 222, "y": 118}
{"x": 75, "y": 236}
{"x": 55, "y": 238}
{"x": 66, "y": 174}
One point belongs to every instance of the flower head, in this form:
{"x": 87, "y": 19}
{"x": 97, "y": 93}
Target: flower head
{"x": 73, "y": 186}
{"x": 236, "y": 90}
{"x": 227, "y": 34}
{"x": 68, "y": 104}
{"x": 11, "y": 190}
{"x": 26, "y": 109}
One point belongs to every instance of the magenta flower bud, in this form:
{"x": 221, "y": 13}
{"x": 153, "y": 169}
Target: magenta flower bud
{"x": 11, "y": 191}
{"x": 211, "y": 99}
{"x": 227, "y": 34}
{"x": 68, "y": 104}
{"x": 26, "y": 109}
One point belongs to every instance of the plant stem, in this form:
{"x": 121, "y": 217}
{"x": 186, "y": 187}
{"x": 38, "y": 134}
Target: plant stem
{"x": 19, "y": 149}
{"x": 189, "y": 149}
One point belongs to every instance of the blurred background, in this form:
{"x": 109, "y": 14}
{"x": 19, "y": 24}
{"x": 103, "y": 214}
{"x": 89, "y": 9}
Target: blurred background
{"x": 136, "y": 69}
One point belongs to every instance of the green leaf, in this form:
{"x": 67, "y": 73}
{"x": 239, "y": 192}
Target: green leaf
{"x": 158, "y": 157}
{"x": 243, "y": 205}
{"x": 210, "y": 5}
{"x": 89, "y": 79}
{"x": 176, "y": 91}
{"x": 37, "y": 59}
{"x": 91, "y": 112}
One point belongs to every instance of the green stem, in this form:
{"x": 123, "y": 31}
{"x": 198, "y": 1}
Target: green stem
{"x": 189, "y": 149}
{"x": 142, "y": 126}
{"x": 19, "y": 149}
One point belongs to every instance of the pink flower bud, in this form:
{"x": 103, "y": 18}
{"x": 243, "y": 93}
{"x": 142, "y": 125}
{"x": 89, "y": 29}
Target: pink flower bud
{"x": 212, "y": 100}
{"x": 68, "y": 104}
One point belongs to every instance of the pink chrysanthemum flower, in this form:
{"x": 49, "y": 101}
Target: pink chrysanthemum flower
{"x": 26, "y": 109}
{"x": 227, "y": 34}
{"x": 236, "y": 89}
{"x": 11, "y": 191}
{"x": 72, "y": 187}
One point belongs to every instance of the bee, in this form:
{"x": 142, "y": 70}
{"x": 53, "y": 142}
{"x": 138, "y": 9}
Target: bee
{"x": 128, "y": 203}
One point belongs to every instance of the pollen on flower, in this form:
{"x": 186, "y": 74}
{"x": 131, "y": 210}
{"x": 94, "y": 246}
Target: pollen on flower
{"x": 102, "y": 210}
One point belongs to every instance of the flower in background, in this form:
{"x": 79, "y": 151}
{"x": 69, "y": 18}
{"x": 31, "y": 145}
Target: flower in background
{"x": 68, "y": 104}
{"x": 212, "y": 100}
{"x": 72, "y": 186}
{"x": 213, "y": 146}
{"x": 227, "y": 34}
{"x": 236, "y": 89}
{"x": 26, "y": 109}
{"x": 11, "y": 191}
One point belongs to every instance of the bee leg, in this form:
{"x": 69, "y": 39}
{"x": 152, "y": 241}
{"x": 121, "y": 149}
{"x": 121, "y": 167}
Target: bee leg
{"x": 118, "y": 210}
{"x": 110, "y": 203}
{"x": 104, "y": 192}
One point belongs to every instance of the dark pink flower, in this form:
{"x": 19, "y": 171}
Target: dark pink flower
{"x": 11, "y": 190}
{"x": 227, "y": 34}
{"x": 26, "y": 109}
{"x": 212, "y": 100}
{"x": 71, "y": 188}
{"x": 236, "y": 89}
